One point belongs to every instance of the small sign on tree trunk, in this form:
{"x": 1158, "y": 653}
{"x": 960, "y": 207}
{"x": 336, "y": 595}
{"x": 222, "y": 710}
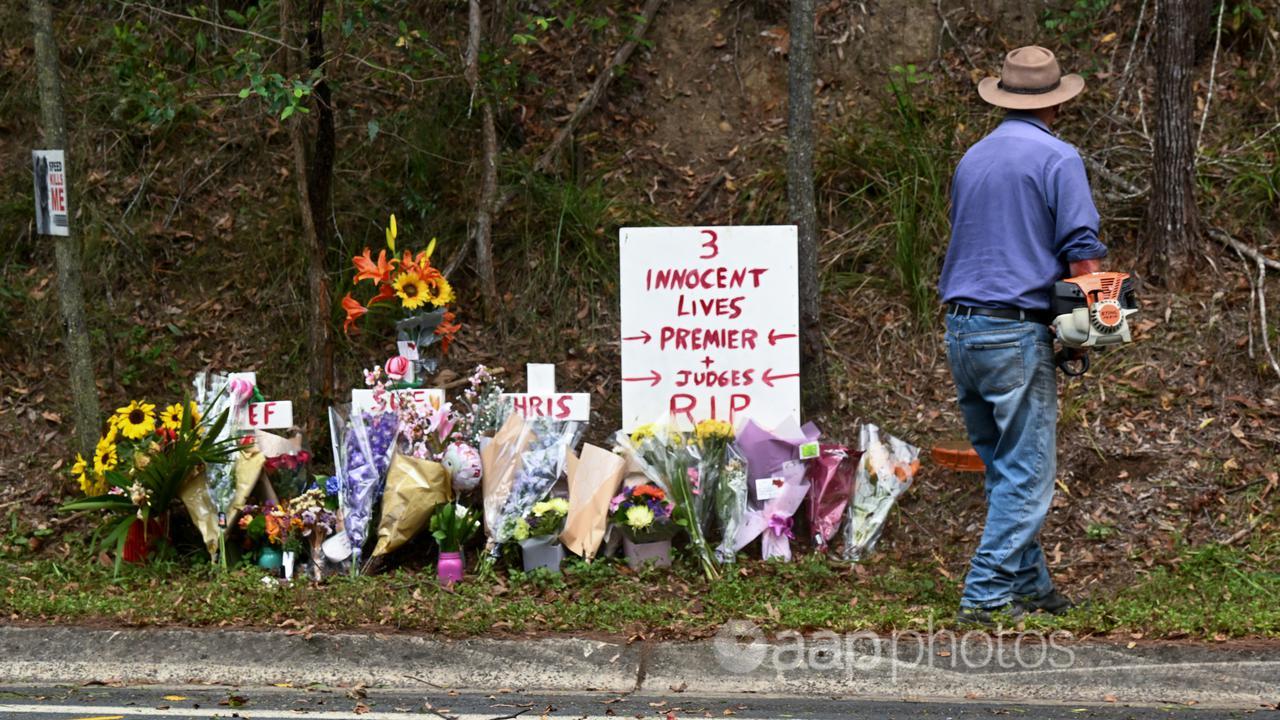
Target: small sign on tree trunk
{"x": 50, "y": 171}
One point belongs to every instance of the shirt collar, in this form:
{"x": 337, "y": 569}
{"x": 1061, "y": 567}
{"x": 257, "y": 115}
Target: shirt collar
{"x": 1028, "y": 118}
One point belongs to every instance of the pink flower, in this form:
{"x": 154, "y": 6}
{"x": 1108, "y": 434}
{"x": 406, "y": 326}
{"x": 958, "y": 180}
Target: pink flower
{"x": 241, "y": 390}
{"x": 397, "y": 367}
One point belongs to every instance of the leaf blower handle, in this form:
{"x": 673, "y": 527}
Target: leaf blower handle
{"x": 1072, "y": 362}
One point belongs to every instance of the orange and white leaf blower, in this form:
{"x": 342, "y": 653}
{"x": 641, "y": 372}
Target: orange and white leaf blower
{"x": 1092, "y": 311}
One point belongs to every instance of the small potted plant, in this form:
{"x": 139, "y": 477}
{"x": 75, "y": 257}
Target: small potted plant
{"x": 643, "y": 512}
{"x": 539, "y": 535}
{"x": 452, "y": 525}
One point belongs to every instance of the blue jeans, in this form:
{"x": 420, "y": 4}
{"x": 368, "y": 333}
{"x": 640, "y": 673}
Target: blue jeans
{"x": 1005, "y": 383}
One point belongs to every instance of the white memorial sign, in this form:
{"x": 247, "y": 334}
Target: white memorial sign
{"x": 710, "y": 322}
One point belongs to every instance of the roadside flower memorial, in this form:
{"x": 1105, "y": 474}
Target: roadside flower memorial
{"x": 414, "y": 466}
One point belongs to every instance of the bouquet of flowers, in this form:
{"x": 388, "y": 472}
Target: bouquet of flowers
{"x": 363, "y": 446}
{"x": 421, "y": 291}
{"x": 710, "y": 449}
{"x": 287, "y": 473}
{"x": 668, "y": 461}
{"x": 885, "y": 472}
{"x": 484, "y": 411}
{"x": 644, "y": 513}
{"x": 228, "y": 485}
{"x": 540, "y": 467}
{"x": 772, "y": 520}
{"x": 314, "y": 520}
{"x": 453, "y": 525}
{"x": 730, "y": 502}
{"x": 831, "y": 478}
{"x": 263, "y": 525}
{"x": 142, "y": 462}
{"x": 545, "y": 519}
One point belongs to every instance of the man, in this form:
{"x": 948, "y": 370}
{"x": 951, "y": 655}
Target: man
{"x": 1022, "y": 218}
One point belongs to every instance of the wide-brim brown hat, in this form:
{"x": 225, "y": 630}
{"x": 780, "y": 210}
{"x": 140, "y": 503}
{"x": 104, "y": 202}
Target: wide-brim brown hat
{"x": 1030, "y": 80}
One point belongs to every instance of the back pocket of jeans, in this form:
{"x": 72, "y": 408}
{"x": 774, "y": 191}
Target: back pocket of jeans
{"x": 997, "y": 366}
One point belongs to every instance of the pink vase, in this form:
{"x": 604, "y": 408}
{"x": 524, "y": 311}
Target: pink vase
{"x": 449, "y": 569}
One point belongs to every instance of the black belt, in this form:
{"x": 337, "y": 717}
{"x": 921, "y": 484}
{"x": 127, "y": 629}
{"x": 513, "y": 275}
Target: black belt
{"x": 1041, "y": 316}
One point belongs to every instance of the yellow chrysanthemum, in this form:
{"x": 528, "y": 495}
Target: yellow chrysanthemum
{"x": 439, "y": 291}
{"x": 411, "y": 289}
{"x": 521, "y": 531}
{"x": 644, "y": 432}
{"x": 137, "y": 420}
{"x": 171, "y": 418}
{"x": 105, "y": 457}
{"x": 639, "y": 517}
{"x": 713, "y": 430}
{"x": 559, "y": 506}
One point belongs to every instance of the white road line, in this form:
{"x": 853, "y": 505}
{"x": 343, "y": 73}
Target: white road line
{"x": 246, "y": 713}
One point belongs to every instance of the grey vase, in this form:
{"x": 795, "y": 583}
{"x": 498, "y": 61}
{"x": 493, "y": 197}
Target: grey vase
{"x": 657, "y": 554}
{"x": 542, "y": 552}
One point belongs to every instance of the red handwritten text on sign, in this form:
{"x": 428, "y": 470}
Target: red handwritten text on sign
{"x": 709, "y": 318}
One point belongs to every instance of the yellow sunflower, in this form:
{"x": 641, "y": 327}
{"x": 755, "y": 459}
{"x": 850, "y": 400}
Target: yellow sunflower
{"x": 79, "y": 473}
{"x": 412, "y": 290}
{"x": 171, "y": 418}
{"x": 439, "y": 291}
{"x": 105, "y": 457}
{"x": 113, "y": 429}
{"x": 137, "y": 420}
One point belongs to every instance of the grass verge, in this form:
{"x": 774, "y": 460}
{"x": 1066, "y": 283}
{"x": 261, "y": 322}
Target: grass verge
{"x": 1212, "y": 592}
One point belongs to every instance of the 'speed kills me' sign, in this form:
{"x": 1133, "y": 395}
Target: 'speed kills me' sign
{"x": 50, "y": 170}
{"x": 710, "y": 321}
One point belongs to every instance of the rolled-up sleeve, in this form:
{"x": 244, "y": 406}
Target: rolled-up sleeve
{"x": 1075, "y": 216}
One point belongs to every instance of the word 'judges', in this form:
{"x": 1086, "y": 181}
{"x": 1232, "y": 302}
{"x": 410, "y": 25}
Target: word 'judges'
{"x": 717, "y": 278}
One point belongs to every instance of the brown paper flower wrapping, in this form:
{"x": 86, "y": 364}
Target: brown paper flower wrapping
{"x": 500, "y": 459}
{"x": 195, "y": 496}
{"x": 415, "y": 487}
{"x": 594, "y": 479}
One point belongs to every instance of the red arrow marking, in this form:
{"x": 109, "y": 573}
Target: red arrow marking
{"x": 769, "y": 378}
{"x": 775, "y": 336}
{"x": 653, "y": 379}
{"x": 643, "y": 337}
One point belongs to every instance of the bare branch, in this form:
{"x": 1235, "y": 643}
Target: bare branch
{"x": 598, "y": 89}
{"x": 1213, "y": 71}
{"x": 1256, "y": 255}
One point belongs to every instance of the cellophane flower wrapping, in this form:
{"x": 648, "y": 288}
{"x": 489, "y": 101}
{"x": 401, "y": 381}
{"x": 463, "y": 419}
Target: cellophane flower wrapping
{"x": 213, "y": 399}
{"x": 364, "y": 443}
{"x": 831, "y": 488}
{"x": 772, "y": 519}
{"x": 669, "y": 461}
{"x": 730, "y": 502}
{"x": 885, "y": 471}
{"x": 541, "y": 465}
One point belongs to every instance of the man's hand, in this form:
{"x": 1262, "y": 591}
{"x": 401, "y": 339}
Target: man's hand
{"x": 1084, "y": 267}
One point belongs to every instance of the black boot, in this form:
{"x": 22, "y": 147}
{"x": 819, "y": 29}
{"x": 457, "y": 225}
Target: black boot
{"x": 1053, "y": 602}
{"x": 990, "y": 617}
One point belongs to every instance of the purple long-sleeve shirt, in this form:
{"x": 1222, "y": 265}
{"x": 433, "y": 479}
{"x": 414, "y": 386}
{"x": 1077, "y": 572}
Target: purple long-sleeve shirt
{"x": 1021, "y": 212}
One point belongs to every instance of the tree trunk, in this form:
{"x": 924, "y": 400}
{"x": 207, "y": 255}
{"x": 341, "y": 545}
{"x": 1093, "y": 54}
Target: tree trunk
{"x": 320, "y": 191}
{"x": 1172, "y": 226}
{"x": 313, "y": 176}
{"x": 84, "y": 393}
{"x": 483, "y": 228}
{"x": 800, "y": 199}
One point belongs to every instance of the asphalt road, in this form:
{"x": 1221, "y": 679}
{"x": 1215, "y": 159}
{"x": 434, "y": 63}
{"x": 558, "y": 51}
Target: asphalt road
{"x": 101, "y": 702}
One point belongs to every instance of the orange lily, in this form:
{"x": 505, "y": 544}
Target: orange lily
{"x": 446, "y": 330}
{"x": 385, "y": 292}
{"x": 369, "y": 270}
{"x": 354, "y": 312}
